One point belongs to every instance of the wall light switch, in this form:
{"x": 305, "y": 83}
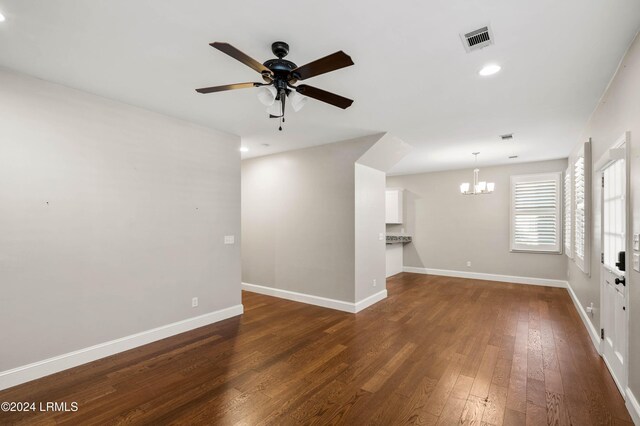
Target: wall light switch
{"x": 636, "y": 262}
{"x": 229, "y": 239}
{"x": 194, "y": 302}
{"x": 381, "y": 236}
{"x": 636, "y": 242}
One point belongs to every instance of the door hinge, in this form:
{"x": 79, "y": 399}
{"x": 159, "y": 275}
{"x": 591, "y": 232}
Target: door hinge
{"x": 602, "y": 258}
{"x": 603, "y": 181}
{"x": 602, "y": 333}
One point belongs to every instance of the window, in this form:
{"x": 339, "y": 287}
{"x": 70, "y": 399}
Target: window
{"x": 581, "y": 165}
{"x": 535, "y": 213}
{"x": 613, "y": 232}
{"x": 567, "y": 212}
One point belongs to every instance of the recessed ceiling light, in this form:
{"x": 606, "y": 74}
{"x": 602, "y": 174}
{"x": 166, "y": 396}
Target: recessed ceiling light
{"x": 489, "y": 70}
{"x": 244, "y": 149}
{"x": 2, "y": 18}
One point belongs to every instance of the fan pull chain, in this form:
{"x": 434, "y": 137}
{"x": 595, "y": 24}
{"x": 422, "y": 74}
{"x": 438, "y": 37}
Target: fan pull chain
{"x": 281, "y": 116}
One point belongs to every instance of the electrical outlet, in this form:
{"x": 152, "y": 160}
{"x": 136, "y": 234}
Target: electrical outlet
{"x": 229, "y": 239}
{"x": 194, "y": 302}
{"x": 468, "y": 264}
{"x": 375, "y": 282}
{"x": 381, "y": 236}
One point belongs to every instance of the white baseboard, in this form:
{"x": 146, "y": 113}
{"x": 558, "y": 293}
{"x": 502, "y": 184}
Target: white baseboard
{"x": 310, "y": 299}
{"x": 489, "y": 277}
{"x": 593, "y": 333}
{"x": 58, "y": 363}
{"x": 368, "y": 301}
{"x": 633, "y": 406}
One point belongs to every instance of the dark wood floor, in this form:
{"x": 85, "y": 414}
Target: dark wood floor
{"x": 436, "y": 351}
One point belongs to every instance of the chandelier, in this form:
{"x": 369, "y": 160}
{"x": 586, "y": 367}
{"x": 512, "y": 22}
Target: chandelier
{"x": 479, "y": 187}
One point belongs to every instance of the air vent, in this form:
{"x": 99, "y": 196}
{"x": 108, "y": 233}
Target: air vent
{"x": 477, "y": 39}
{"x": 512, "y": 157}
{"x": 507, "y": 137}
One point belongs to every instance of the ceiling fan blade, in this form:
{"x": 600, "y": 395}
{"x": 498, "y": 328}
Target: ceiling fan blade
{"x": 228, "y": 87}
{"x": 240, "y": 56}
{"x": 324, "y": 96}
{"x": 333, "y": 62}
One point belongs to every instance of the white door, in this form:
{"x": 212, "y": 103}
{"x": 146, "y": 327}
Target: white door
{"x": 614, "y": 286}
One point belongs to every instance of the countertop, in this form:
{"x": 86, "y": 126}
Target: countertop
{"x": 398, "y": 239}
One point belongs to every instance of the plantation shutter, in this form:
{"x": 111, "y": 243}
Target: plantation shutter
{"x": 567, "y": 212}
{"x": 580, "y": 168}
{"x": 535, "y": 216}
{"x": 579, "y": 244}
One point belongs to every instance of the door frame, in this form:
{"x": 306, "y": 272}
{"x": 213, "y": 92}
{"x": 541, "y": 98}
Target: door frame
{"x": 611, "y": 155}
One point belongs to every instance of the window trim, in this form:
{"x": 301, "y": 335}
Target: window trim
{"x": 558, "y": 177}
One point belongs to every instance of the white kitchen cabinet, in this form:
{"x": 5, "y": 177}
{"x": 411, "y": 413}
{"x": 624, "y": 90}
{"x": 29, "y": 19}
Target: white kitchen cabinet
{"x": 394, "y": 259}
{"x": 393, "y": 205}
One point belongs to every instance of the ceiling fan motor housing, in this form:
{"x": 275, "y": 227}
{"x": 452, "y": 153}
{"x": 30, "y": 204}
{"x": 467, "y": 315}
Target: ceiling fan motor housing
{"x": 281, "y": 68}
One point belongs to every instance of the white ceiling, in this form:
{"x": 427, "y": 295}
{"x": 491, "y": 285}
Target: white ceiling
{"x": 411, "y": 77}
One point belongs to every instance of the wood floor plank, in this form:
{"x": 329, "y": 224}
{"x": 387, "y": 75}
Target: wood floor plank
{"x": 414, "y": 411}
{"x": 473, "y": 411}
{"x": 514, "y": 418}
{"x": 553, "y": 381}
{"x": 536, "y": 415}
{"x": 557, "y": 413}
{"x": 484, "y": 377}
{"x": 436, "y": 402}
{"x": 380, "y": 377}
{"x": 496, "y": 405}
{"x": 452, "y": 410}
{"x": 437, "y": 350}
{"x": 502, "y": 372}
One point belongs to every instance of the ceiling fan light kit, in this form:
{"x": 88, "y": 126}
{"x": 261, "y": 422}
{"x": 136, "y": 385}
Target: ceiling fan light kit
{"x": 280, "y": 76}
{"x": 267, "y": 95}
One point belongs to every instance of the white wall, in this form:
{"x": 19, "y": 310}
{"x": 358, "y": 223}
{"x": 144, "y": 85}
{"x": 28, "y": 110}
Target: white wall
{"x": 449, "y": 228}
{"x": 298, "y": 212}
{"x": 312, "y": 219}
{"x": 617, "y": 112}
{"x": 111, "y": 219}
{"x": 370, "y": 263}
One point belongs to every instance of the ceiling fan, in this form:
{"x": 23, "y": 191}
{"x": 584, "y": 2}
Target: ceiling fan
{"x": 280, "y": 76}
